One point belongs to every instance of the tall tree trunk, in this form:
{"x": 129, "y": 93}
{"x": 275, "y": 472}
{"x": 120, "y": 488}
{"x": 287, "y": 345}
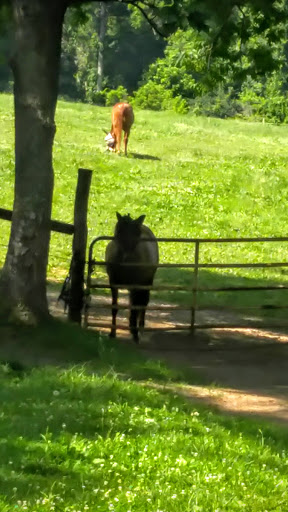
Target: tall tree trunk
{"x": 101, "y": 36}
{"x": 35, "y": 66}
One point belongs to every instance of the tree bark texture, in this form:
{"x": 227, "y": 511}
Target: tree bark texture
{"x": 102, "y": 33}
{"x": 35, "y": 66}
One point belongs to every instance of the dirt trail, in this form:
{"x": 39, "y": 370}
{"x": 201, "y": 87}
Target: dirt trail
{"x": 250, "y": 372}
{"x": 249, "y": 367}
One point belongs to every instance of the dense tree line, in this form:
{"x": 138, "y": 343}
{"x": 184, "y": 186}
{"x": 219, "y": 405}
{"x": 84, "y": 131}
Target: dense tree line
{"x": 129, "y": 46}
{"x": 110, "y": 52}
{"x": 206, "y": 72}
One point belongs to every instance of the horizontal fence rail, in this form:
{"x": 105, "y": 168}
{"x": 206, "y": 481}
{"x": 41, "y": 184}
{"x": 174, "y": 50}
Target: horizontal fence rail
{"x": 55, "y": 225}
{"x": 194, "y": 288}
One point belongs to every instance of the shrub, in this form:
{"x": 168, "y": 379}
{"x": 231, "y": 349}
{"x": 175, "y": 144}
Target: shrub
{"x": 216, "y": 104}
{"x": 99, "y": 98}
{"x": 265, "y": 100}
{"x": 153, "y": 96}
{"x": 251, "y": 98}
{"x": 115, "y": 95}
{"x": 180, "y": 105}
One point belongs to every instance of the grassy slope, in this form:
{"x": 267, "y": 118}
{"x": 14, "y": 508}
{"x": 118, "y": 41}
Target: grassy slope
{"x": 94, "y": 438}
{"x": 204, "y": 178}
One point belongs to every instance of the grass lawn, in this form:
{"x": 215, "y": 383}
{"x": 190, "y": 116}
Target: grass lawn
{"x": 99, "y": 437}
{"x": 78, "y": 437}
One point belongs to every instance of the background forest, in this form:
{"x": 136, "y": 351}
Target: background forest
{"x": 111, "y": 53}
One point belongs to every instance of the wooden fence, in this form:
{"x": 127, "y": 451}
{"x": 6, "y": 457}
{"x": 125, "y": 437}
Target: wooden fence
{"x": 79, "y": 231}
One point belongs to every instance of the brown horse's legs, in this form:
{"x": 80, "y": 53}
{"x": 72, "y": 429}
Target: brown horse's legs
{"x": 118, "y": 136}
{"x": 126, "y": 136}
{"x": 114, "y": 292}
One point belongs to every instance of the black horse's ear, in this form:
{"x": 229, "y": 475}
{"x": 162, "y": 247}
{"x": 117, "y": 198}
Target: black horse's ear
{"x": 118, "y": 216}
{"x": 140, "y": 219}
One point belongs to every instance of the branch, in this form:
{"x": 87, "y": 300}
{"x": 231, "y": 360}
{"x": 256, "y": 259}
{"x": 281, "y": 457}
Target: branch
{"x": 134, "y": 3}
{"x": 244, "y": 17}
{"x": 144, "y": 13}
{"x": 217, "y": 36}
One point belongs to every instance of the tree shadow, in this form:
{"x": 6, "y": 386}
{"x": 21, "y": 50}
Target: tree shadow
{"x": 251, "y": 359}
{"x": 227, "y": 298}
{"x": 222, "y": 299}
{"x": 139, "y": 156}
{"x": 242, "y": 377}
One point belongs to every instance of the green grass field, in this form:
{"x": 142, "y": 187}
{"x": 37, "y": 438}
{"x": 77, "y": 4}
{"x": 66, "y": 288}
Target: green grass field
{"x": 192, "y": 177}
{"x": 101, "y": 437}
{"x": 95, "y": 437}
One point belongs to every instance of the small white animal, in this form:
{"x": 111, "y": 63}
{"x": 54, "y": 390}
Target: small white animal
{"x": 110, "y": 141}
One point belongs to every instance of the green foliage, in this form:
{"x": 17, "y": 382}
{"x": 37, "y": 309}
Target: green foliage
{"x": 124, "y": 39}
{"x": 153, "y": 96}
{"x": 115, "y": 95}
{"x": 251, "y": 97}
{"x": 211, "y": 47}
{"x": 219, "y": 103}
{"x": 183, "y": 66}
{"x": 209, "y": 68}
{"x": 180, "y": 105}
{"x": 99, "y": 97}
{"x": 265, "y": 100}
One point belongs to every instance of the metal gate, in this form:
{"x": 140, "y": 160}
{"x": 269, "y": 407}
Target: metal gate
{"x": 194, "y": 289}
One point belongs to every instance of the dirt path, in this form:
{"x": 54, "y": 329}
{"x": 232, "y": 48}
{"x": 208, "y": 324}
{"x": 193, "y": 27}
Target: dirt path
{"x": 249, "y": 367}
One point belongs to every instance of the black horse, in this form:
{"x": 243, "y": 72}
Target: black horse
{"x": 131, "y": 260}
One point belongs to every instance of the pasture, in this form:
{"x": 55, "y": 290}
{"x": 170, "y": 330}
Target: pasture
{"x": 192, "y": 177}
{"x": 116, "y": 434}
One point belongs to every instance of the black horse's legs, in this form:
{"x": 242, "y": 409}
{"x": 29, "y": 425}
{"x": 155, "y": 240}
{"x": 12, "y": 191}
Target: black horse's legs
{"x": 133, "y": 324}
{"x": 140, "y": 299}
{"x": 144, "y": 303}
{"x": 114, "y": 292}
{"x": 134, "y": 315}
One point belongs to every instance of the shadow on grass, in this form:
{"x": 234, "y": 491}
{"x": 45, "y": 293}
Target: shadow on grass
{"x": 57, "y": 342}
{"x": 261, "y": 303}
{"x": 140, "y": 156}
{"x": 81, "y": 400}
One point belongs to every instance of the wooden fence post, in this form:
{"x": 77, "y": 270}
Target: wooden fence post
{"x": 79, "y": 245}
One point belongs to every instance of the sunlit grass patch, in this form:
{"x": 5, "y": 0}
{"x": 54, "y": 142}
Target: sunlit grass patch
{"x": 192, "y": 177}
{"x": 79, "y": 440}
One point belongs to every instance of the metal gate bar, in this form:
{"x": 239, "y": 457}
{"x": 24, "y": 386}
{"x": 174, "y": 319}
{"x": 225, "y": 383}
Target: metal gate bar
{"x": 194, "y": 289}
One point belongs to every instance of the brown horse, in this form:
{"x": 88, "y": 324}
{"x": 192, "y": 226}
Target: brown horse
{"x": 131, "y": 259}
{"x": 122, "y": 119}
